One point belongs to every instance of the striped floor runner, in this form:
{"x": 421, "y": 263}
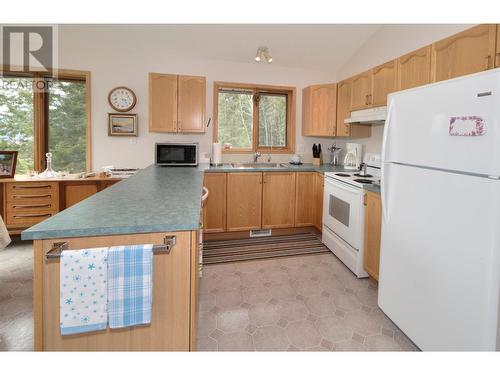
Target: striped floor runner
{"x": 261, "y": 248}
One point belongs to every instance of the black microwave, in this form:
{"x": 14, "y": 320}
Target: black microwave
{"x": 176, "y": 154}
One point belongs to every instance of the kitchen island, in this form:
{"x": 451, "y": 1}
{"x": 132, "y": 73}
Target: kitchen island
{"x": 155, "y": 204}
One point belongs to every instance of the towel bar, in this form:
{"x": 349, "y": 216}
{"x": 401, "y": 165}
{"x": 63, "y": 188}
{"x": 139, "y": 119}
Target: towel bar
{"x": 59, "y": 247}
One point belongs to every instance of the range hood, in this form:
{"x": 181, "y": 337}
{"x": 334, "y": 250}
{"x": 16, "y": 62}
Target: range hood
{"x": 370, "y": 116}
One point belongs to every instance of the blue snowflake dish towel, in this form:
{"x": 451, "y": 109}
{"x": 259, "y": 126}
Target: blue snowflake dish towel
{"x": 130, "y": 285}
{"x": 83, "y": 290}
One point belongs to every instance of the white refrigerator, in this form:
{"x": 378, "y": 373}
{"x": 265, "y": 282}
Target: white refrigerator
{"x": 440, "y": 249}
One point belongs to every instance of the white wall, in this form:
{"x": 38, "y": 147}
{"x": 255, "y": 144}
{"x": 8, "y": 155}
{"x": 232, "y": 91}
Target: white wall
{"x": 389, "y": 42}
{"x": 119, "y": 57}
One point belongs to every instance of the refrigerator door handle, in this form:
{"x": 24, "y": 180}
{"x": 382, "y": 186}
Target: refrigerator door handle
{"x": 384, "y": 187}
{"x": 387, "y": 129}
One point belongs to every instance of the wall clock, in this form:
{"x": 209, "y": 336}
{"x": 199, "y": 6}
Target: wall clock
{"x": 122, "y": 99}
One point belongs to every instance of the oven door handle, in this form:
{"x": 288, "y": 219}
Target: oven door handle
{"x": 342, "y": 186}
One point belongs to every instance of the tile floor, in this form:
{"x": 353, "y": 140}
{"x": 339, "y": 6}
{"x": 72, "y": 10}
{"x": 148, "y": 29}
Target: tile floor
{"x": 16, "y": 297}
{"x": 309, "y": 302}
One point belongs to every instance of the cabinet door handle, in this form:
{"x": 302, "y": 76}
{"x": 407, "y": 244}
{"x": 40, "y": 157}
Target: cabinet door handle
{"x": 31, "y": 215}
{"x": 364, "y": 199}
{"x": 32, "y": 206}
{"x": 31, "y": 186}
{"x": 366, "y": 99}
{"x": 488, "y": 62}
{"x": 31, "y": 196}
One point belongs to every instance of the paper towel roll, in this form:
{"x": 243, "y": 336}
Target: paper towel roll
{"x": 216, "y": 153}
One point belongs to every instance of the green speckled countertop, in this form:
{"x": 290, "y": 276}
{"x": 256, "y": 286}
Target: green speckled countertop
{"x": 372, "y": 188}
{"x": 286, "y": 167}
{"x": 156, "y": 199}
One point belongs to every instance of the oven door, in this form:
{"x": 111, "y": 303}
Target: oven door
{"x": 180, "y": 154}
{"x": 343, "y": 211}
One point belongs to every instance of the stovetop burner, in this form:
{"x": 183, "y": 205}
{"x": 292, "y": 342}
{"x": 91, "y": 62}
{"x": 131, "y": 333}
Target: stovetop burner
{"x": 360, "y": 175}
{"x": 342, "y": 175}
{"x": 363, "y": 181}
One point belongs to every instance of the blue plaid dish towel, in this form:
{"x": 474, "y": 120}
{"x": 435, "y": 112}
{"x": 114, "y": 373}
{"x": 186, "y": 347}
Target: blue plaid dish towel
{"x": 130, "y": 285}
{"x": 83, "y": 290}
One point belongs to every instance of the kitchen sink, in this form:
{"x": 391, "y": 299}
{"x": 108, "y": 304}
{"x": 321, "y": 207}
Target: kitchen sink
{"x": 256, "y": 165}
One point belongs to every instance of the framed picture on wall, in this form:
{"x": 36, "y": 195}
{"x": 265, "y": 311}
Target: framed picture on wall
{"x": 120, "y": 124}
{"x": 8, "y": 160}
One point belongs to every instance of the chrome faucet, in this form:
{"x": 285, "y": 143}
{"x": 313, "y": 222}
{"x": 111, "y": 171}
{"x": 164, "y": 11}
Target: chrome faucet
{"x": 256, "y": 156}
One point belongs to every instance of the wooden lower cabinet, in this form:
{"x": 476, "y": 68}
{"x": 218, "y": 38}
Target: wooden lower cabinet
{"x": 76, "y": 192}
{"x": 244, "y": 201}
{"x": 278, "y": 200}
{"x": 214, "y": 211}
{"x": 373, "y": 227}
{"x": 305, "y": 199}
{"x": 173, "y": 322}
{"x": 318, "y": 200}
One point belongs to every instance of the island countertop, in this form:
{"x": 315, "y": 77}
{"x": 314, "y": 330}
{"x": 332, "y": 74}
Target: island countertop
{"x": 156, "y": 199}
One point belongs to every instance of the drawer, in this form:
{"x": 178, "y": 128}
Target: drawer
{"x": 18, "y": 207}
{"x": 28, "y": 218}
{"x": 21, "y": 190}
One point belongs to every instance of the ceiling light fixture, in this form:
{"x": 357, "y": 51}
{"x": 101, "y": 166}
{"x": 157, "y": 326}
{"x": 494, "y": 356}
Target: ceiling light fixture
{"x": 263, "y": 53}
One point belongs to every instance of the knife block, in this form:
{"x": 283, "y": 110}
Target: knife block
{"x": 316, "y": 161}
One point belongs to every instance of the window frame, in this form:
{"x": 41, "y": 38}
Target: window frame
{"x": 290, "y": 93}
{"x": 40, "y": 109}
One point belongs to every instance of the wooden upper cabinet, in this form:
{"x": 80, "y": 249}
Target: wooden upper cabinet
{"x": 373, "y": 226}
{"x": 162, "y": 102}
{"x": 214, "y": 210}
{"x": 468, "y": 52}
{"x": 304, "y": 199}
{"x": 319, "y": 110}
{"x": 343, "y": 107}
{"x": 278, "y": 202}
{"x": 344, "y": 111}
{"x": 176, "y": 103}
{"x": 414, "y": 69}
{"x": 361, "y": 90}
{"x": 383, "y": 83}
{"x": 191, "y": 104}
{"x": 244, "y": 201}
{"x": 497, "y": 55}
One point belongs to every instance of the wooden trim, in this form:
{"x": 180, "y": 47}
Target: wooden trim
{"x": 38, "y": 295}
{"x": 193, "y": 326}
{"x": 40, "y": 115}
{"x": 246, "y": 234}
{"x": 291, "y": 93}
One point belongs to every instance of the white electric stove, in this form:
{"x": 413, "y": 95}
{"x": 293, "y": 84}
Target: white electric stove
{"x": 344, "y": 214}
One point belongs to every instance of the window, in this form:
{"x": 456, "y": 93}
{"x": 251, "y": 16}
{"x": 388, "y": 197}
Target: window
{"x": 54, "y": 119}
{"x": 254, "y": 118}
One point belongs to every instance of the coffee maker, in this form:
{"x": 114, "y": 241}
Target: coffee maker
{"x": 353, "y": 156}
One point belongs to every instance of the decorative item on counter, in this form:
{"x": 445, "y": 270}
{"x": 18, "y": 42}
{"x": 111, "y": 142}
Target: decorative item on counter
{"x": 120, "y": 124}
{"x": 49, "y": 172}
{"x": 111, "y": 171}
{"x": 316, "y": 154}
{"x": 216, "y": 154}
{"x": 8, "y": 161}
{"x": 227, "y": 146}
{"x": 334, "y": 157}
{"x": 296, "y": 160}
